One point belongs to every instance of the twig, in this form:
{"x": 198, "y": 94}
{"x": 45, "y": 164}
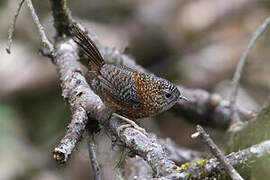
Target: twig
{"x": 218, "y": 154}
{"x": 213, "y": 168}
{"x": 40, "y": 28}
{"x": 92, "y": 156}
{"x": 241, "y": 64}
{"x": 12, "y": 26}
{"x": 236, "y": 123}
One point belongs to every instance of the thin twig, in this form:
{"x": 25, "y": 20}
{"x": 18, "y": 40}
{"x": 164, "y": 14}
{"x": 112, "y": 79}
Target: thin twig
{"x": 92, "y": 156}
{"x": 41, "y": 31}
{"x": 218, "y": 154}
{"x": 12, "y": 26}
{"x": 236, "y": 122}
{"x": 241, "y": 64}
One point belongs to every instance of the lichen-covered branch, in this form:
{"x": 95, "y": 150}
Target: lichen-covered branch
{"x": 218, "y": 154}
{"x": 70, "y": 74}
{"x": 137, "y": 167}
{"x": 73, "y": 135}
{"x": 146, "y": 147}
{"x": 212, "y": 168}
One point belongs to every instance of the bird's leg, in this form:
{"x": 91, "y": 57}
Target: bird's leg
{"x": 130, "y": 123}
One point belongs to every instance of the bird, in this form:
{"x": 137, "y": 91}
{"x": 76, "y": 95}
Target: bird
{"x": 129, "y": 93}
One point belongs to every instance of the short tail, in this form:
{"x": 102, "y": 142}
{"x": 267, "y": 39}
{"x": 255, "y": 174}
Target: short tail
{"x": 87, "y": 45}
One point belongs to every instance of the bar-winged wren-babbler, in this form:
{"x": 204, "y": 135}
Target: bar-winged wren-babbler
{"x": 129, "y": 94}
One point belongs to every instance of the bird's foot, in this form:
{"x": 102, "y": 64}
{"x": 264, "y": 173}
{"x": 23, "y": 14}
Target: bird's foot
{"x": 130, "y": 123}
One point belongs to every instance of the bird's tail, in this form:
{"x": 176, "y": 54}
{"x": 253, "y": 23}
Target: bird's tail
{"x": 87, "y": 45}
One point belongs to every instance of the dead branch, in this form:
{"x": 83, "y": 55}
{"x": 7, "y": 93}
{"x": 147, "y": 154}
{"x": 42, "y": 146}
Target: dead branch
{"x": 217, "y": 153}
{"x": 212, "y": 167}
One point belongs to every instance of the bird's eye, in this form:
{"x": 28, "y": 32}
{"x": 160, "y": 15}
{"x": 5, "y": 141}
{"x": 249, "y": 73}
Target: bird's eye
{"x": 168, "y": 95}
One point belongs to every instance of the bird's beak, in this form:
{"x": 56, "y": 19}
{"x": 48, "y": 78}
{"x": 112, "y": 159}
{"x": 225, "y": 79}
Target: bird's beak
{"x": 183, "y": 97}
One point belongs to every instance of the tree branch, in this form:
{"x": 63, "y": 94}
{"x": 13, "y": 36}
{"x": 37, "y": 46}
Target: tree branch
{"x": 213, "y": 168}
{"x": 218, "y": 154}
{"x": 92, "y": 155}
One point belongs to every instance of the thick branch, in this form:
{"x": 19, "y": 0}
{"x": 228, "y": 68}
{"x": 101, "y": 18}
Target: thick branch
{"x": 70, "y": 74}
{"x": 146, "y": 147}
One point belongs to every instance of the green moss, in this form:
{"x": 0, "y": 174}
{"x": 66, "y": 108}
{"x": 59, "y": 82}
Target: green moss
{"x": 201, "y": 163}
{"x": 184, "y": 166}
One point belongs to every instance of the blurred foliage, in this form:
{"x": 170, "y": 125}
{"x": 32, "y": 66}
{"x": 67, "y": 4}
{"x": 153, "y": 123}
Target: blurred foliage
{"x": 7, "y": 125}
{"x": 44, "y": 116}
